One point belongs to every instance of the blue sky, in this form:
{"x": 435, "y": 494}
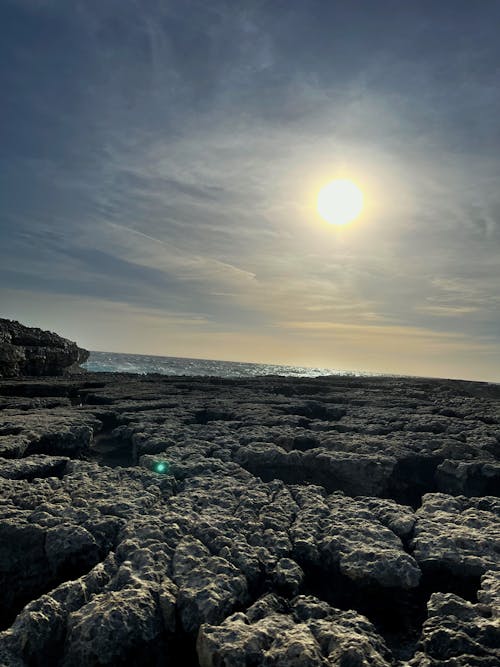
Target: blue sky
{"x": 160, "y": 162}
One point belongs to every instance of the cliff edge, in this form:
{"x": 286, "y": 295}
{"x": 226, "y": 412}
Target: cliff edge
{"x": 26, "y": 351}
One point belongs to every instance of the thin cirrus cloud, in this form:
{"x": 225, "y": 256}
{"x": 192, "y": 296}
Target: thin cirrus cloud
{"x": 165, "y": 156}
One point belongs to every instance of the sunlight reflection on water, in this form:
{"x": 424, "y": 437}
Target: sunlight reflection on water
{"x": 112, "y": 362}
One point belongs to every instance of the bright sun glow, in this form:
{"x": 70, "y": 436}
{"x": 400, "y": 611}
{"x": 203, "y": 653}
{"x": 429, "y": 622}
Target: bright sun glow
{"x": 340, "y": 202}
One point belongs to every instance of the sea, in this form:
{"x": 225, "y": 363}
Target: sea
{"x": 113, "y": 362}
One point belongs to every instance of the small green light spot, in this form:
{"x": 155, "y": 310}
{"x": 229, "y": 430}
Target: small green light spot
{"x": 161, "y": 466}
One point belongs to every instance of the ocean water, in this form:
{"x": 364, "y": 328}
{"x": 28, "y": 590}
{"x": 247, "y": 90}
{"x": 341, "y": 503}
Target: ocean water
{"x": 113, "y": 362}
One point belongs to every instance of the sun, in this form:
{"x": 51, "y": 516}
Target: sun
{"x": 340, "y": 202}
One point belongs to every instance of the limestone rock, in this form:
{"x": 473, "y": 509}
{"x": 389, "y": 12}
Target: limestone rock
{"x": 478, "y": 478}
{"x": 209, "y": 586}
{"x": 288, "y": 512}
{"x": 70, "y": 546}
{"x": 305, "y": 633}
{"x": 40, "y": 465}
{"x": 457, "y": 536}
{"x": 31, "y": 351}
{"x": 287, "y": 576}
{"x": 459, "y": 633}
{"x": 347, "y": 540}
{"x": 54, "y": 431}
{"x": 110, "y": 626}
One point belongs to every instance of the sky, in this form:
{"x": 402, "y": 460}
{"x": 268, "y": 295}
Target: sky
{"x": 160, "y": 162}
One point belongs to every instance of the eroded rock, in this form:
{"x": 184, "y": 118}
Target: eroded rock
{"x": 278, "y": 515}
{"x": 303, "y": 633}
{"x": 456, "y": 536}
{"x": 31, "y": 351}
{"x": 461, "y": 633}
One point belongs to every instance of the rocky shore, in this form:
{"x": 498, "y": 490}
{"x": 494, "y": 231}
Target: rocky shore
{"x": 238, "y": 523}
{"x": 32, "y": 351}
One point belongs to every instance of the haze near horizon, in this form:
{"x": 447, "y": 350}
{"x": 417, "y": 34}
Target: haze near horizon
{"x": 161, "y": 164}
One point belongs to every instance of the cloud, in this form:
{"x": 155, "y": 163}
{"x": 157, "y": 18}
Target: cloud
{"x": 447, "y": 311}
{"x": 166, "y": 156}
{"x": 153, "y": 252}
{"x": 369, "y": 330}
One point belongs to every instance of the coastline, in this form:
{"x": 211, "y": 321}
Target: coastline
{"x": 153, "y": 364}
{"x": 175, "y": 516}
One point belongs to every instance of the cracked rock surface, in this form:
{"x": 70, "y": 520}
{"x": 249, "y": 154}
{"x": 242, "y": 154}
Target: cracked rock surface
{"x": 262, "y": 521}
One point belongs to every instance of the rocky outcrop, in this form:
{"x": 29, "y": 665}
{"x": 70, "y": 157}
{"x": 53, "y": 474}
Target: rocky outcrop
{"x": 461, "y": 633}
{"x": 457, "y": 537}
{"x": 303, "y": 633}
{"x": 58, "y": 431}
{"x": 31, "y": 351}
{"x": 268, "y": 521}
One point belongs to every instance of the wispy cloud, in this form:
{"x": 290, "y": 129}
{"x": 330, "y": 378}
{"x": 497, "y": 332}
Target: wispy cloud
{"x": 368, "y": 331}
{"x": 166, "y": 156}
{"x": 447, "y": 311}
